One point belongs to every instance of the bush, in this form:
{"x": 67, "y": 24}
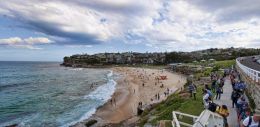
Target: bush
{"x": 215, "y": 68}
{"x": 251, "y": 100}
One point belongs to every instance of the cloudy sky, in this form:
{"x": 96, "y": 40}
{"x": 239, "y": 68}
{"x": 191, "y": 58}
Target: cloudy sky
{"x": 50, "y": 29}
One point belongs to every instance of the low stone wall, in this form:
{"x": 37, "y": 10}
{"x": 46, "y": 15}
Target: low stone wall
{"x": 253, "y": 87}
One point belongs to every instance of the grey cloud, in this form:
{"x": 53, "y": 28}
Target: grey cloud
{"x": 76, "y": 37}
{"x": 69, "y": 37}
{"x": 131, "y": 9}
{"x": 49, "y": 28}
{"x": 230, "y": 10}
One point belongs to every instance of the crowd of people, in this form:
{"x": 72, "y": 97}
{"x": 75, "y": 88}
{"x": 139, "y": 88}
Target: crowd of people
{"x": 244, "y": 113}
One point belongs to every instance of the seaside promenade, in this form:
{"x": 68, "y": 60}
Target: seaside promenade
{"x": 226, "y": 100}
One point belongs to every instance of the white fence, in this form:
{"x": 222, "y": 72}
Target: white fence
{"x": 206, "y": 119}
{"x": 253, "y": 74}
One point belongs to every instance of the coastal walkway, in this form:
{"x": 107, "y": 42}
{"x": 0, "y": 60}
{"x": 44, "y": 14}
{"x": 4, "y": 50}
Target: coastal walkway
{"x": 226, "y": 100}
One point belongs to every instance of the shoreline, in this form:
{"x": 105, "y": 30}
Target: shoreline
{"x": 136, "y": 85}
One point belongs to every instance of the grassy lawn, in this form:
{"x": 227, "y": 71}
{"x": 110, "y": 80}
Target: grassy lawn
{"x": 225, "y": 63}
{"x": 221, "y": 64}
{"x": 217, "y": 65}
{"x": 163, "y": 111}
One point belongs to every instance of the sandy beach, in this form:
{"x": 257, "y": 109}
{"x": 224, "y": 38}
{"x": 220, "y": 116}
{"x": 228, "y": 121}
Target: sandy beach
{"x": 137, "y": 85}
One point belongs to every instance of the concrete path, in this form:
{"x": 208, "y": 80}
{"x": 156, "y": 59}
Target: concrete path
{"x": 226, "y": 99}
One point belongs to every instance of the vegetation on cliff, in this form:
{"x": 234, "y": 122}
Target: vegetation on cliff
{"x": 134, "y": 58}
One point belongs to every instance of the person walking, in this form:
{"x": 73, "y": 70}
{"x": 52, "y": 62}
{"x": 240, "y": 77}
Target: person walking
{"x": 219, "y": 91}
{"x": 234, "y": 97}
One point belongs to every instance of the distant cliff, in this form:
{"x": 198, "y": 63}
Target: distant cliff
{"x": 102, "y": 59}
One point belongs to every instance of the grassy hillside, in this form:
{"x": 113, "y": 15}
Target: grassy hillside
{"x": 176, "y": 102}
{"x": 225, "y": 63}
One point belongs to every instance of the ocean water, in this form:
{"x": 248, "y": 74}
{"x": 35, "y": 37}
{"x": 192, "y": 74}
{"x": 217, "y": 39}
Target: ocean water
{"x": 40, "y": 94}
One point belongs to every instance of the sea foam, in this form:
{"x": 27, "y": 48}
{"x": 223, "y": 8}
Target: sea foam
{"x": 103, "y": 93}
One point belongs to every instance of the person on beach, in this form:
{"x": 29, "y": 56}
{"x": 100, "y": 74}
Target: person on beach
{"x": 91, "y": 86}
{"x": 139, "y": 108}
{"x": 162, "y": 86}
{"x": 114, "y": 101}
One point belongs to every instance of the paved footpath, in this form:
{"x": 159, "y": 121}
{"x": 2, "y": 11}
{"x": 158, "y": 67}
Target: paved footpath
{"x": 226, "y": 99}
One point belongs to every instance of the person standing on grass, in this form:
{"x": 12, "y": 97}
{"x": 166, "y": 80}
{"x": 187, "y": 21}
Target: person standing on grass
{"x": 194, "y": 91}
{"x": 191, "y": 89}
{"x": 206, "y": 99}
{"x": 213, "y": 84}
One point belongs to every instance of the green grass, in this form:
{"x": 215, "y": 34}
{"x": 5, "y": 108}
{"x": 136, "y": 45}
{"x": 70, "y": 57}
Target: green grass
{"x": 175, "y": 102}
{"x": 220, "y": 64}
{"x": 251, "y": 100}
{"x": 168, "y": 124}
{"x": 225, "y": 63}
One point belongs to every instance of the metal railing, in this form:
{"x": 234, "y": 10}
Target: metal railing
{"x": 251, "y": 73}
{"x": 206, "y": 118}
